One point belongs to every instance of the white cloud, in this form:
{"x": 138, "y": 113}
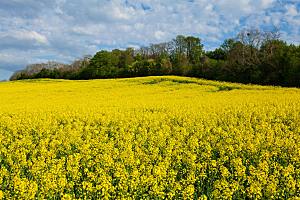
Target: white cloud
{"x": 90, "y": 29}
{"x": 22, "y": 39}
{"x": 292, "y": 10}
{"x": 159, "y": 34}
{"x": 119, "y": 12}
{"x": 32, "y": 31}
{"x": 267, "y": 3}
{"x": 31, "y": 35}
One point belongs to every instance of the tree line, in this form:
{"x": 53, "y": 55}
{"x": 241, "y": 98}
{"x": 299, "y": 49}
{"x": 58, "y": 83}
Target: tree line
{"x": 253, "y": 56}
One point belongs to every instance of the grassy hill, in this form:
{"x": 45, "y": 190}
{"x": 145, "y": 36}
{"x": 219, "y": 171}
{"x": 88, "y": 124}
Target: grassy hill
{"x": 134, "y": 92}
{"x": 150, "y": 137}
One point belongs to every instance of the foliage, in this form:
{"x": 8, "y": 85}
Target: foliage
{"x": 148, "y": 138}
{"x": 254, "y": 56}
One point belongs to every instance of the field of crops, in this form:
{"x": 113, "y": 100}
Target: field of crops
{"x": 151, "y": 138}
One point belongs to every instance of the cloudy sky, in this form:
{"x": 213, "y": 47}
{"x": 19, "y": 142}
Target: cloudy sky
{"x": 40, "y": 30}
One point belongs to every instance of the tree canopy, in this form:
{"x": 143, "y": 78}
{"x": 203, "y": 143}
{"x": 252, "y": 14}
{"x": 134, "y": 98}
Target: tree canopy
{"x": 254, "y": 56}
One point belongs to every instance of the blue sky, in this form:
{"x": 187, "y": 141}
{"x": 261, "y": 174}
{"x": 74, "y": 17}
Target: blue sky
{"x": 62, "y": 30}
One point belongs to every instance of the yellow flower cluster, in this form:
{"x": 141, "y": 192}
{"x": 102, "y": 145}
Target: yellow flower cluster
{"x": 148, "y": 138}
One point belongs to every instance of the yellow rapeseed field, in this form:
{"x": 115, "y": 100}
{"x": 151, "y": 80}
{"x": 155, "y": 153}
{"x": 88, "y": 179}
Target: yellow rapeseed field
{"x": 148, "y": 138}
